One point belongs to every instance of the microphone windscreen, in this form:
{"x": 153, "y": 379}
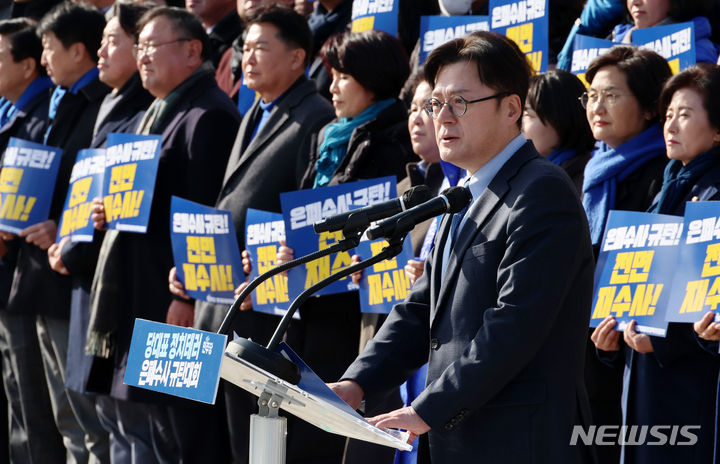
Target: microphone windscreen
{"x": 416, "y": 195}
{"x": 458, "y": 197}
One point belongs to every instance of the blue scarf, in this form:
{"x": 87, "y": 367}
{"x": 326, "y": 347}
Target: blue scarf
{"x": 609, "y": 166}
{"x": 336, "y": 138}
{"x": 679, "y": 179}
{"x": 560, "y": 156}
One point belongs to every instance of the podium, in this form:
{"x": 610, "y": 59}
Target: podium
{"x": 311, "y": 400}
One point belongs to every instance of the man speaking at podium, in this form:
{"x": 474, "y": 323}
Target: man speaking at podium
{"x": 502, "y": 308}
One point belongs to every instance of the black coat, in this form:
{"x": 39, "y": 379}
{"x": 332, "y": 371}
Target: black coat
{"x": 380, "y": 147}
{"x": 196, "y": 141}
{"x": 30, "y": 124}
{"x": 71, "y": 130}
{"x": 80, "y": 258}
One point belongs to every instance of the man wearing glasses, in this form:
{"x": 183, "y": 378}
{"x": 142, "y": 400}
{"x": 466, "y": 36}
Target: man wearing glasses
{"x": 502, "y": 308}
{"x": 198, "y": 124}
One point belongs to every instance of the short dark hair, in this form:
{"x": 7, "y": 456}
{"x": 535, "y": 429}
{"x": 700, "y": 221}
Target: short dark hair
{"x": 293, "y": 28}
{"x": 500, "y": 63}
{"x": 411, "y": 84}
{"x": 184, "y": 24}
{"x": 75, "y": 22}
{"x": 645, "y": 70}
{"x": 554, "y": 97}
{"x": 128, "y": 15}
{"x": 24, "y": 42}
{"x": 704, "y": 78}
{"x": 375, "y": 59}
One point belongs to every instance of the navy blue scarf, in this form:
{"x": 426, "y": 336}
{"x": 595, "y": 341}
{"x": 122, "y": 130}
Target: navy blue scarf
{"x": 679, "y": 179}
{"x": 559, "y": 156}
{"x": 608, "y": 166}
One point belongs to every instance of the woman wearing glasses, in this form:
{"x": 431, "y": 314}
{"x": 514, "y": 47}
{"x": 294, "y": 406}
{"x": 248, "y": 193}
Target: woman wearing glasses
{"x": 672, "y": 380}
{"x": 624, "y": 173}
{"x": 555, "y": 122}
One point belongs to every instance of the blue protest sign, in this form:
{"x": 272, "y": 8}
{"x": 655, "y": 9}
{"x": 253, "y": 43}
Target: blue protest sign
{"x": 263, "y": 231}
{"x": 384, "y": 284}
{"x": 85, "y": 184}
{"x": 585, "y": 50}
{"x": 304, "y": 207}
{"x": 27, "y": 182}
{"x": 696, "y": 290}
{"x": 175, "y": 360}
{"x": 526, "y": 23}
{"x": 635, "y": 268}
{"x": 131, "y": 164}
{"x": 205, "y": 251}
{"x": 674, "y": 42}
{"x": 381, "y": 15}
{"x": 436, "y": 30}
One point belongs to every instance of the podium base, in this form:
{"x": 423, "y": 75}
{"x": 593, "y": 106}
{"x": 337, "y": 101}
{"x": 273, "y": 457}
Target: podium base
{"x": 267, "y": 439}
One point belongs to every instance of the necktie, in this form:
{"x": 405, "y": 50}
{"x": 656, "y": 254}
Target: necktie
{"x": 452, "y": 236}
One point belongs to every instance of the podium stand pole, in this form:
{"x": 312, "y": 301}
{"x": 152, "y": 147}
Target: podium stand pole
{"x": 268, "y": 432}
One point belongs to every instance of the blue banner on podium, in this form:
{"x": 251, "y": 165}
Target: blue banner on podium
{"x": 175, "y": 360}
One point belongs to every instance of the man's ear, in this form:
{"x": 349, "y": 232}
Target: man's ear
{"x": 298, "y": 59}
{"x": 194, "y": 52}
{"x": 29, "y": 67}
{"x": 512, "y": 108}
{"x": 78, "y": 53}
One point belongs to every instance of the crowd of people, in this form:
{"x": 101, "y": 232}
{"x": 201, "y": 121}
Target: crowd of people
{"x": 260, "y": 97}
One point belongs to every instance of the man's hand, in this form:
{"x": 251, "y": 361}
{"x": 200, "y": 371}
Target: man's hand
{"x": 284, "y": 254}
{"x": 180, "y": 313}
{"x": 175, "y": 286}
{"x": 637, "y": 341}
{"x": 246, "y": 262}
{"x": 55, "y": 257}
{"x": 42, "y": 235}
{"x": 349, "y": 391}
{"x": 403, "y": 418}
{"x": 706, "y": 328}
{"x": 356, "y": 276}
{"x": 604, "y": 337}
{"x": 414, "y": 269}
{"x": 98, "y": 213}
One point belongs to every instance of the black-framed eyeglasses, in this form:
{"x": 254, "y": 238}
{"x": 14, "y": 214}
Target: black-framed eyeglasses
{"x": 456, "y": 104}
{"x": 149, "y": 49}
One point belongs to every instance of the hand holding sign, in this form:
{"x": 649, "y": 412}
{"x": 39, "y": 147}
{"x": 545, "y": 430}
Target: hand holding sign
{"x": 604, "y": 337}
{"x": 637, "y": 341}
{"x": 98, "y": 213}
{"x": 55, "y": 257}
{"x": 42, "y": 235}
{"x": 707, "y": 328}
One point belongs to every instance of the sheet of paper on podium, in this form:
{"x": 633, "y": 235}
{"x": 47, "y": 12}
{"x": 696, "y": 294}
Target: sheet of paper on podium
{"x": 310, "y": 400}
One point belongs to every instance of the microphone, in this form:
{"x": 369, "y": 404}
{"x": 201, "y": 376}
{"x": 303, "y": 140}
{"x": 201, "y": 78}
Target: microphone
{"x": 409, "y": 199}
{"x": 451, "y": 201}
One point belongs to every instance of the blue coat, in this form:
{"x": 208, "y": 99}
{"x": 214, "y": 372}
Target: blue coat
{"x": 503, "y": 329}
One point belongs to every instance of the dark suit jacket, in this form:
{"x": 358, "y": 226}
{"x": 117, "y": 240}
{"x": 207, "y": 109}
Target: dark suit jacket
{"x": 29, "y": 123}
{"x": 196, "y": 142}
{"x": 71, "y": 130}
{"x": 272, "y": 163}
{"x": 80, "y": 258}
{"x": 503, "y": 330}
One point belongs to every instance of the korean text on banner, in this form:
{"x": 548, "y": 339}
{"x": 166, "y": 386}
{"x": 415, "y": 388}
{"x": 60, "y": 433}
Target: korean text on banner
{"x": 85, "y": 184}
{"x": 526, "y": 23}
